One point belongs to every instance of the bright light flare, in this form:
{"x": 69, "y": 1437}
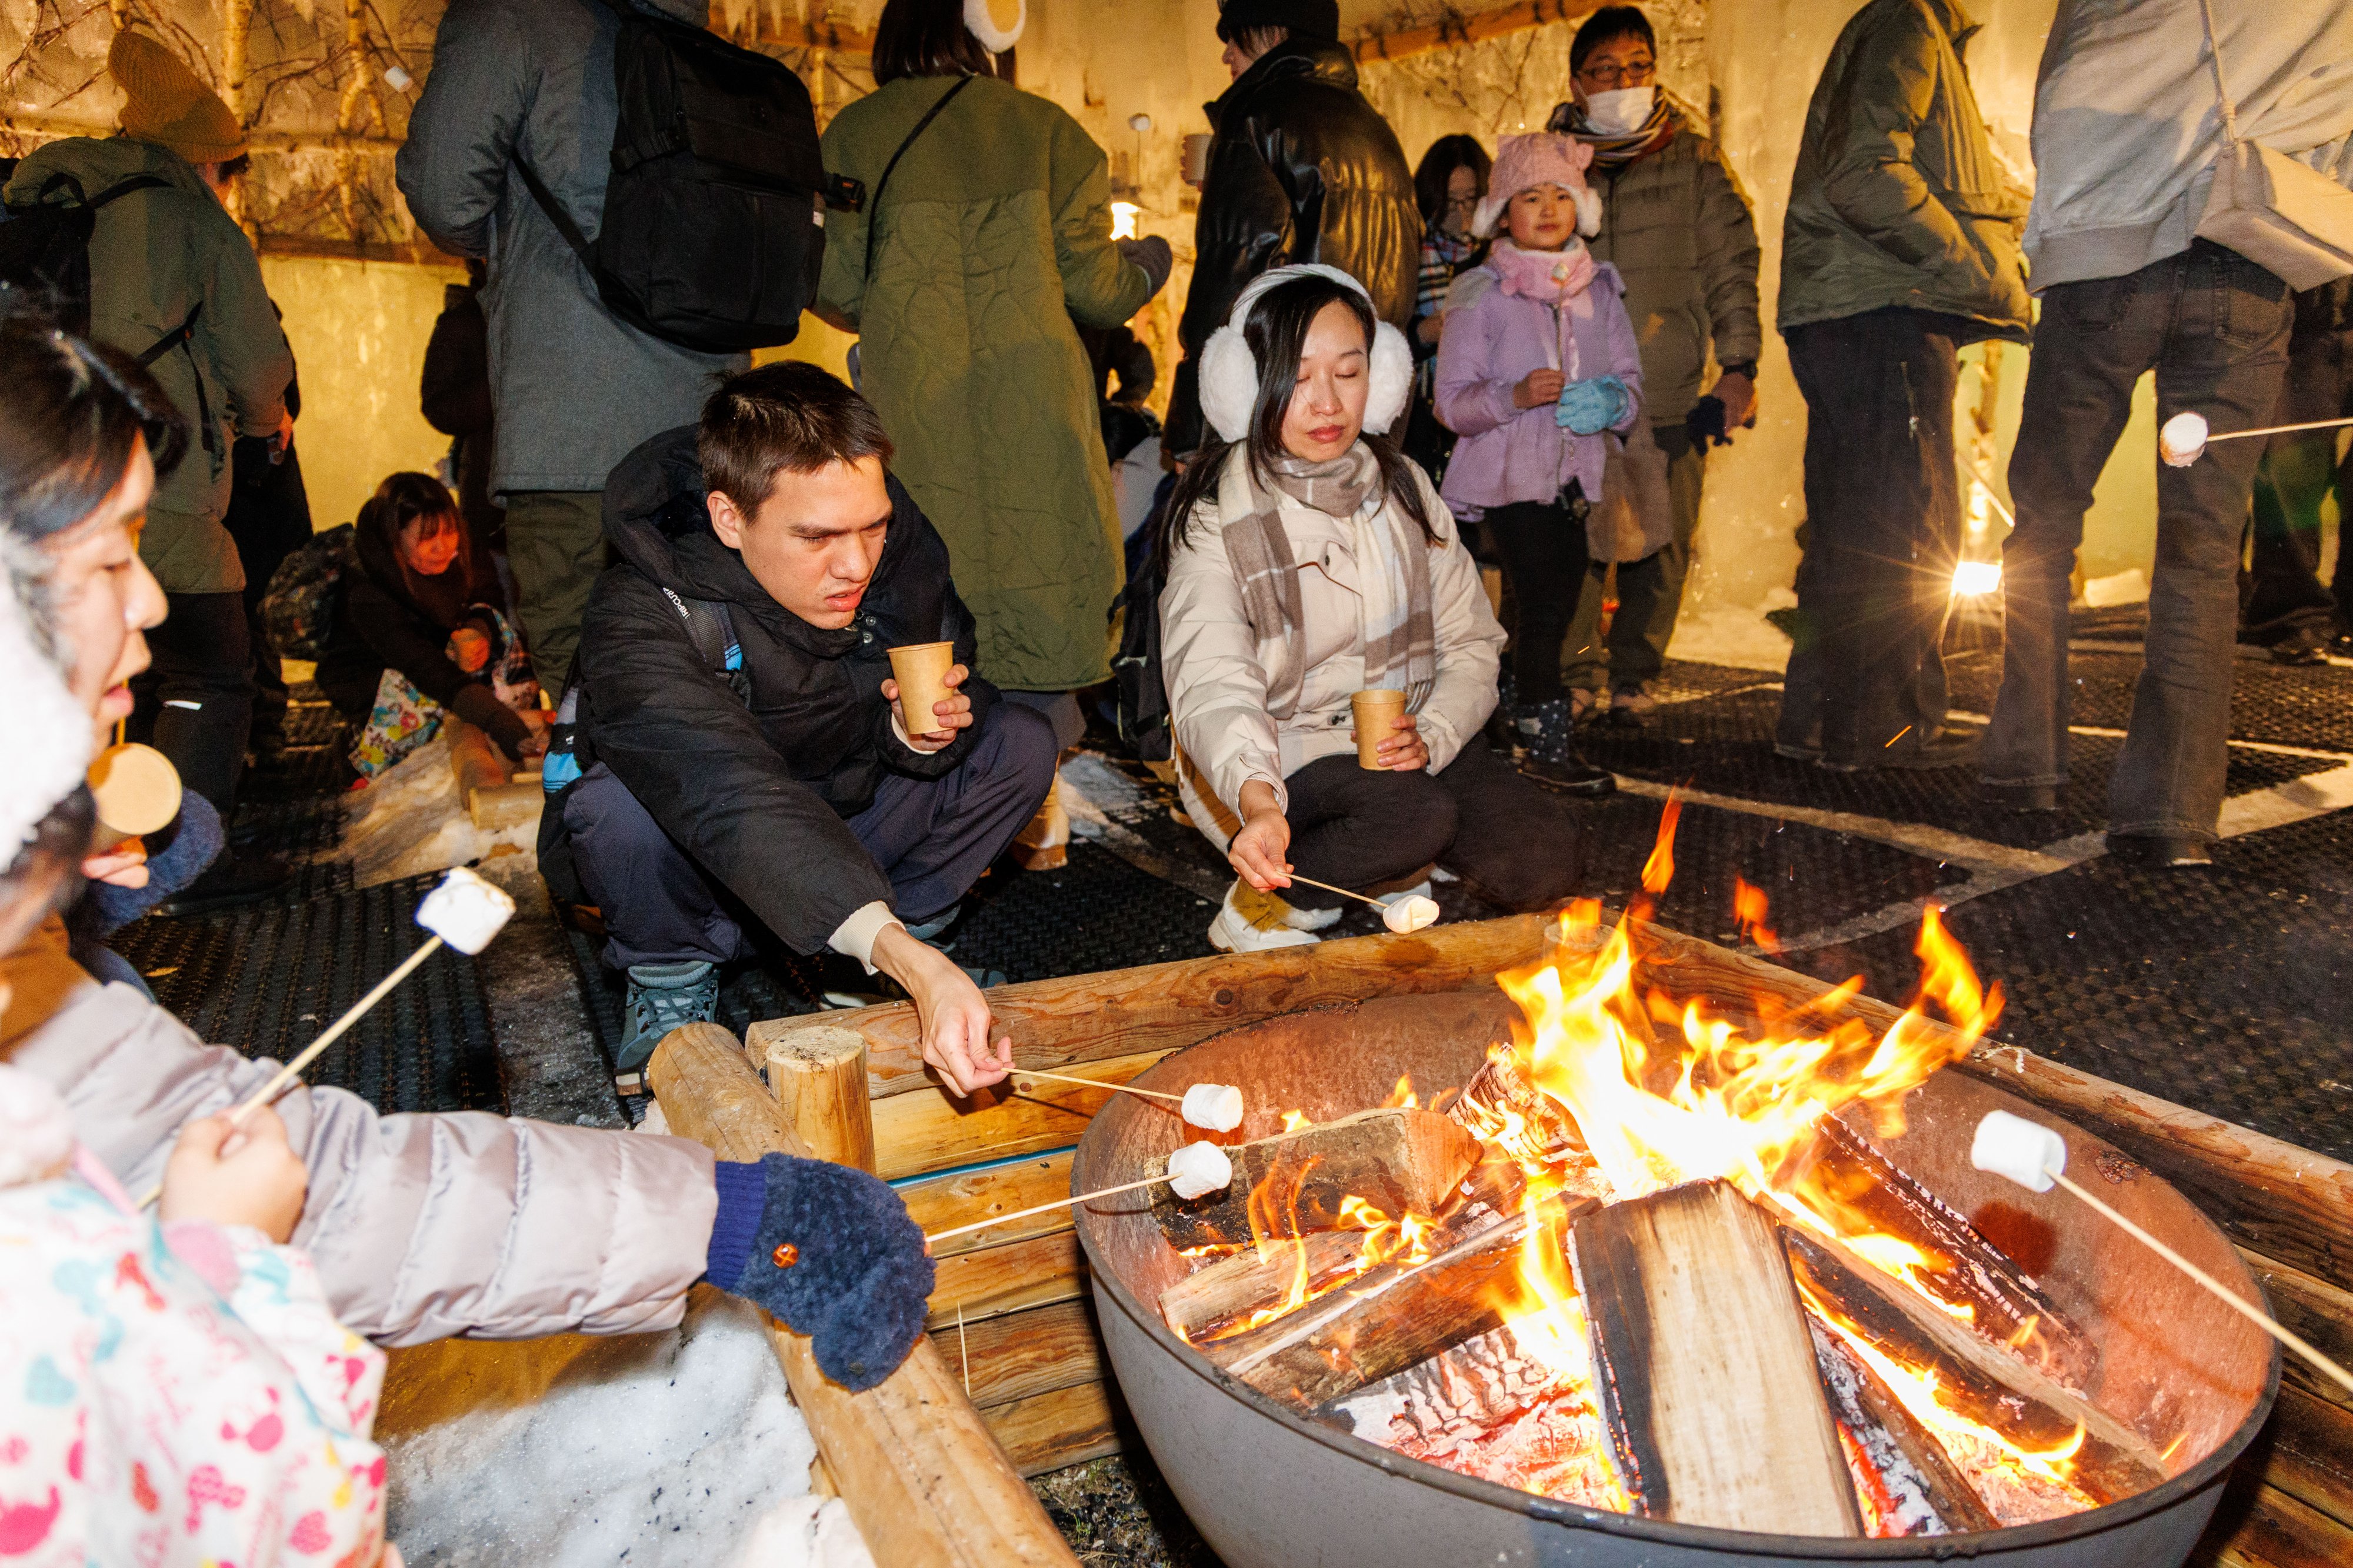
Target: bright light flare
{"x": 1971, "y": 578}
{"x": 1123, "y": 219}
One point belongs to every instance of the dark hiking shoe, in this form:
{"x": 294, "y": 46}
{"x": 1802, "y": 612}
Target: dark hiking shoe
{"x": 2161, "y": 851}
{"x": 662, "y": 997}
{"x": 2303, "y": 644}
{"x": 1549, "y": 733}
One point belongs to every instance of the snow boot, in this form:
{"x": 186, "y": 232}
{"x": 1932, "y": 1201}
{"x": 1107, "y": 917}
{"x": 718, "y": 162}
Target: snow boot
{"x": 662, "y": 997}
{"x": 1252, "y": 922}
{"x": 1550, "y": 736}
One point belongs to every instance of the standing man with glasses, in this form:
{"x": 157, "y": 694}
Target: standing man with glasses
{"x": 1677, "y": 226}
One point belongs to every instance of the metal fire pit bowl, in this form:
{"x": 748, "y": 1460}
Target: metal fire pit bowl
{"x": 1271, "y": 1490}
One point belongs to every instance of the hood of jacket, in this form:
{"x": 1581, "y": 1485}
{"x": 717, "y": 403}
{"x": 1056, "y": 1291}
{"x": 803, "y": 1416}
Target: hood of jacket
{"x": 97, "y": 161}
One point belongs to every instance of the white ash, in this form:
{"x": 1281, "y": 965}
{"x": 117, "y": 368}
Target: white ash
{"x": 1916, "y": 1511}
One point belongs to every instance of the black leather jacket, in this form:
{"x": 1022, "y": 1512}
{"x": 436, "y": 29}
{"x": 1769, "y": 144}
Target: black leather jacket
{"x": 1302, "y": 169}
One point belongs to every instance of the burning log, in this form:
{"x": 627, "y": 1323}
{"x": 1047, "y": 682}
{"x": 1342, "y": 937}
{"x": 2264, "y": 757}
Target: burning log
{"x": 1400, "y": 1161}
{"x": 2005, "y": 1305}
{"x": 1235, "y": 1289}
{"x": 1906, "y": 1483}
{"x": 1397, "y": 1316}
{"x": 1704, "y": 1368}
{"x": 1976, "y": 1382}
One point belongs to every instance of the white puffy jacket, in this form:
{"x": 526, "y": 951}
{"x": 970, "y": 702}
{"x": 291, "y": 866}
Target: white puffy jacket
{"x": 1214, "y": 662}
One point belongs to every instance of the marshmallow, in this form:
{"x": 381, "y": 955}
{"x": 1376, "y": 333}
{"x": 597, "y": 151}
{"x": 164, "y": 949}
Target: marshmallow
{"x": 1199, "y": 1168}
{"x": 2181, "y": 440}
{"x": 1216, "y": 1106}
{"x": 2026, "y": 1151}
{"x": 400, "y": 80}
{"x": 465, "y": 910}
{"x": 1409, "y": 913}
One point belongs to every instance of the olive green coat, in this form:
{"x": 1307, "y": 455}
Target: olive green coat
{"x": 153, "y": 256}
{"x": 992, "y": 235}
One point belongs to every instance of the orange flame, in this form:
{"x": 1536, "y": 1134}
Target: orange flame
{"x": 1748, "y": 910}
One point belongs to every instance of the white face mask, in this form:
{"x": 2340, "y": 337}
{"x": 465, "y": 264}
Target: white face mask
{"x": 1616, "y": 112}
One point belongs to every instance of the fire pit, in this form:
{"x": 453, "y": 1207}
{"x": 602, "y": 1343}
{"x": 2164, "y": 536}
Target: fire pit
{"x": 1272, "y": 1486}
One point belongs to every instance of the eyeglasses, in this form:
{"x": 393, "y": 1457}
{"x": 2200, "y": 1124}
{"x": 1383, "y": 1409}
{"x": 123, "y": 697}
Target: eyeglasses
{"x": 1609, "y": 77}
{"x": 1461, "y": 204}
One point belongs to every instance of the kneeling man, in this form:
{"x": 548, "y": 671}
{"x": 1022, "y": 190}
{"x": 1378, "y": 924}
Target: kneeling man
{"x": 736, "y": 743}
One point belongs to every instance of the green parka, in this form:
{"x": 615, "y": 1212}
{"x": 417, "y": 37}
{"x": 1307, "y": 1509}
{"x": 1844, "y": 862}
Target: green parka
{"x": 153, "y": 256}
{"x": 992, "y": 235}
{"x": 1896, "y": 199}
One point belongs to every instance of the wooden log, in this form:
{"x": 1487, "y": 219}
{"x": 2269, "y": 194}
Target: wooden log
{"x": 926, "y": 1484}
{"x": 487, "y": 785}
{"x": 1982, "y": 1382}
{"x": 818, "y": 1077}
{"x": 1053, "y": 1431}
{"x": 136, "y": 791}
{"x": 2003, "y": 1303}
{"x": 1400, "y": 1162}
{"x": 2315, "y": 1309}
{"x": 959, "y": 1197}
{"x": 1023, "y": 1354}
{"x": 2273, "y": 1529}
{"x": 1162, "y": 1006}
{"x": 1915, "y": 1487}
{"x": 1214, "y": 1298}
{"x": 992, "y": 1280}
{"x": 1458, "y": 31}
{"x": 930, "y": 1130}
{"x": 1704, "y": 1367}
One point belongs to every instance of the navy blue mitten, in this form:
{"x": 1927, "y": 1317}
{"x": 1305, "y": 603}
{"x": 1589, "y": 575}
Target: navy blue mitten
{"x": 832, "y": 1253}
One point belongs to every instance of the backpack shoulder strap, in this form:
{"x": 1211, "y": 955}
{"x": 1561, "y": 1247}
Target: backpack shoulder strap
{"x": 124, "y": 187}
{"x": 874, "y": 204}
{"x": 172, "y": 339}
{"x": 711, "y": 626}
{"x": 581, "y": 246}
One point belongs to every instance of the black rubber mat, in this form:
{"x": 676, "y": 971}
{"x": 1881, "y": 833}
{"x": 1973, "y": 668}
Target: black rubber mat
{"x": 266, "y": 979}
{"x": 2276, "y": 704}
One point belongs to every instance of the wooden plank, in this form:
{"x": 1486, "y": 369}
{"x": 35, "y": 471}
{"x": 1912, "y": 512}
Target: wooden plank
{"x": 931, "y": 1131}
{"x": 999, "y": 1279}
{"x": 1704, "y": 1367}
{"x": 1022, "y": 1354}
{"x": 2310, "y": 1453}
{"x": 2315, "y": 1309}
{"x": 1162, "y": 1006}
{"x": 2273, "y": 1530}
{"x": 944, "y": 1202}
{"x": 1054, "y": 1431}
{"x": 1400, "y": 1161}
{"x": 925, "y": 1482}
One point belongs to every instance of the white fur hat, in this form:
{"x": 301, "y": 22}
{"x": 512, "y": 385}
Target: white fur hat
{"x": 984, "y": 19}
{"x": 48, "y": 731}
{"x": 1228, "y": 374}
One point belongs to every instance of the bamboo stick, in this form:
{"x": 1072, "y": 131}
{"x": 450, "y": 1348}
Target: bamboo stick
{"x": 1041, "y": 1208}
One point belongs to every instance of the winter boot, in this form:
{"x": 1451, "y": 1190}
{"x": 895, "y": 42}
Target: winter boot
{"x": 1251, "y": 922}
{"x": 662, "y": 997}
{"x": 1549, "y": 734}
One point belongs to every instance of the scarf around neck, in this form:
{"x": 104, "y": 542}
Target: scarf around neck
{"x": 1616, "y": 152}
{"x": 1398, "y": 631}
{"x": 1546, "y": 276}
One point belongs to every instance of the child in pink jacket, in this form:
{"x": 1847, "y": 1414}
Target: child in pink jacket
{"x": 1538, "y": 371}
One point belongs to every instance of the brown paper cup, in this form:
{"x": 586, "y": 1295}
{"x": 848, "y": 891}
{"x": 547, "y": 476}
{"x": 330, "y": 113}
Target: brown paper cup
{"x": 1197, "y": 159}
{"x": 137, "y": 791}
{"x": 921, "y": 669}
{"x": 1377, "y": 716}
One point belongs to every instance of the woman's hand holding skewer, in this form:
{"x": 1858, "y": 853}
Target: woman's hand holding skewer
{"x": 1260, "y": 850}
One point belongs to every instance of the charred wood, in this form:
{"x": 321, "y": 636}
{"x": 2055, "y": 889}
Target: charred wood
{"x": 1399, "y": 1160}
{"x": 1915, "y": 1487}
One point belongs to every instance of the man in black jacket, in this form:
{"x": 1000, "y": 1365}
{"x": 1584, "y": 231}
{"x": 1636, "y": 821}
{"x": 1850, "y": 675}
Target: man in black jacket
{"x": 1301, "y": 169}
{"x": 737, "y": 756}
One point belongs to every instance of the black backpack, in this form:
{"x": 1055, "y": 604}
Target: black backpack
{"x": 305, "y": 596}
{"x": 712, "y": 238}
{"x": 45, "y": 245}
{"x": 1137, "y": 686}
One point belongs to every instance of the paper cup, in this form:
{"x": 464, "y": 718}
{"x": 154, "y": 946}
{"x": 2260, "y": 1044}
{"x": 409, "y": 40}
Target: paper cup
{"x": 921, "y": 669}
{"x": 1197, "y": 159}
{"x": 137, "y": 791}
{"x": 1377, "y": 716}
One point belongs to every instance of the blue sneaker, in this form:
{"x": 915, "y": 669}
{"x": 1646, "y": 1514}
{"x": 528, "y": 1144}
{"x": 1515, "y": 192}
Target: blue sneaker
{"x": 662, "y": 997}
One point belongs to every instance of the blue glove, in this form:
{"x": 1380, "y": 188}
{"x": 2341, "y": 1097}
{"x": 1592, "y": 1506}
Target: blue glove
{"x": 1588, "y": 407}
{"x": 829, "y": 1250}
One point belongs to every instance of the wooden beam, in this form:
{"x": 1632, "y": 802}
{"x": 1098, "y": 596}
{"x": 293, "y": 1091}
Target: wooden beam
{"x": 931, "y": 1129}
{"x": 2276, "y": 1531}
{"x": 2320, "y": 1313}
{"x": 944, "y": 1202}
{"x": 1457, "y": 31}
{"x": 926, "y": 1483}
{"x": 291, "y": 140}
{"x": 1023, "y": 1354}
{"x": 818, "y": 1077}
{"x": 2308, "y": 1453}
{"x": 1053, "y": 1431}
{"x": 999, "y": 1279}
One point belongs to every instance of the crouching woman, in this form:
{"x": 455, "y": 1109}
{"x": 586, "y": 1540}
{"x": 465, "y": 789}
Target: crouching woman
{"x": 1307, "y": 560}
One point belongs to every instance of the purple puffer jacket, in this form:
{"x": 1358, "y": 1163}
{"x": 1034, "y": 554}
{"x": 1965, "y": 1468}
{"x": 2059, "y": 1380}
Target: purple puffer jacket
{"x": 1492, "y": 341}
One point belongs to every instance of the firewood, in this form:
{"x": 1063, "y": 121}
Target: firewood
{"x": 1704, "y": 1367}
{"x": 1981, "y": 1382}
{"x": 1400, "y": 1162}
{"x": 1922, "y": 1492}
{"x": 1396, "y": 1317}
{"x": 1231, "y": 1288}
{"x": 2005, "y": 1305}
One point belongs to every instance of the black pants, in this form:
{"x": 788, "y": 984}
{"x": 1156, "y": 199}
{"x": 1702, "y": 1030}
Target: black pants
{"x": 1883, "y": 532}
{"x": 195, "y": 703}
{"x": 1543, "y": 547}
{"x": 269, "y": 518}
{"x": 1479, "y": 817}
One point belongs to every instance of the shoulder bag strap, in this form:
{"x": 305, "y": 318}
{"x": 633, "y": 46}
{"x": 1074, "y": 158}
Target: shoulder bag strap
{"x": 874, "y": 205}
{"x": 2214, "y": 58}
{"x": 582, "y": 247}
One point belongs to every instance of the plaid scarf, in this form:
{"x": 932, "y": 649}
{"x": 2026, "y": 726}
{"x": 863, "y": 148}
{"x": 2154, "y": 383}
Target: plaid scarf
{"x": 1616, "y": 152}
{"x": 1399, "y": 633}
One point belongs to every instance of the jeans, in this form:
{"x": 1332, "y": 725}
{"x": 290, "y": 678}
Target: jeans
{"x": 194, "y": 702}
{"x": 932, "y": 837}
{"x": 2214, "y": 327}
{"x": 2297, "y": 473}
{"x": 1650, "y": 591}
{"x": 1543, "y": 547}
{"x": 556, "y": 547}
{"x": 1518, "y": 844}
{"x": 1884, "y": 529}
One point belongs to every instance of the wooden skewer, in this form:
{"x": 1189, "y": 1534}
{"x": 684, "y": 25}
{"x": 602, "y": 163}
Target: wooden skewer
{"x": 1096, "y": 1083}
{"x": 2214, "y": 437}
{"x": 2251, "y": 1313}
{"x": 1042, "y": 1208}
{"x": 1365, "y": 898}
{"x": 336, "y": 1031}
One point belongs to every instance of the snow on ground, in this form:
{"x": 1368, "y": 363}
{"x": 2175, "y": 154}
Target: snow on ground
{"x": 410, "y": 821}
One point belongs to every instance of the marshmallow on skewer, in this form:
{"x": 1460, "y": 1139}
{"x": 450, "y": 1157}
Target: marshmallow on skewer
{"x": 1200, "y": 1168}
{"x": 2181, "y": 440}
{"x": 1214, "y": 1106}
{"x": 1409, "y": 913}
{"x": 2026, "y": 1151}
{"x": 465, "y": 910}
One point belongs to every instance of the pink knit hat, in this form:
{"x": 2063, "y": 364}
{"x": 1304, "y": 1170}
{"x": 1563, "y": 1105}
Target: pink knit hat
{"x": 1538, "y": 158}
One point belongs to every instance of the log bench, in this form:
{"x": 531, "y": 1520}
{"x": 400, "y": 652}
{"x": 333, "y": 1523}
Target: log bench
{"x": 1012, "y": 1323}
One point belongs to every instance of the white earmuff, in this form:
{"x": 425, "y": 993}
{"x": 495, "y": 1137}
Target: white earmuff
{"x": 1588, "y": 212}
{"x": 1228, "y": 374}
{"x": 984, "y": 19}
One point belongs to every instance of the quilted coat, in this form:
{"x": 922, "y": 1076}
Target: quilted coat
{"x": 991, "y": 239}
{"x": 1301, "y": 169}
